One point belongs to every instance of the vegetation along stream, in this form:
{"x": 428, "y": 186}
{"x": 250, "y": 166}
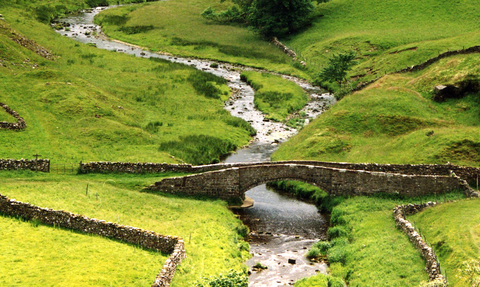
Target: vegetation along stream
{"x": 282, "y": 228}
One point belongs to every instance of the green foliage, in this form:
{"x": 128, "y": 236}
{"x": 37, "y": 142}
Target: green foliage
{"x": 275, "y": 18}
{"x": 320, "y": 280}
{"x": 96, "y": 3}
{"x": 337, "y": 231}
{"x": 337, "y": 68}
{"x": 231, "y": 279}
{"x": 279, "y": 18}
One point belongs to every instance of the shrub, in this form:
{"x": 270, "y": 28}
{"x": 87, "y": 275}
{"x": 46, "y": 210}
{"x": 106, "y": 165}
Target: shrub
{"x": 337, "y": 231}
{"x": 231, "y": 279}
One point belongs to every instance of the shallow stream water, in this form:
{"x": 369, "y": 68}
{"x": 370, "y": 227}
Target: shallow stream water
{"x": 282, "y": 227}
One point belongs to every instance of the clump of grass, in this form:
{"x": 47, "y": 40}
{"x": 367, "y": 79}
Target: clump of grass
{"x": 205, "y": 84}
{"x": 198, "y": 149}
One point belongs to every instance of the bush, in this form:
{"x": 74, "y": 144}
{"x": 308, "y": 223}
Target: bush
{"x": 337, "y": 231}
{"x": 231, "y": 279}
{"x": 96, "y": 3}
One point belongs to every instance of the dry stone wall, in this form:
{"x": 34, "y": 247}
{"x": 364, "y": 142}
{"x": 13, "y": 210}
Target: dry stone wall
{"x": 432, "y": 265}
{"x": 148, "y": 239}
{"x": 32, "y": 164}
{"x": 19, "y": 125}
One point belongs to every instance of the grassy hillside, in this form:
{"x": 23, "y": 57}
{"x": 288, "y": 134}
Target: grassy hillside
{"x": 387, "y": 35}
{"x": 73, "y": 113}
{"x": 177, "y": 27}
{"x": 395, "y": 121}
{"x": 212, "y": 234}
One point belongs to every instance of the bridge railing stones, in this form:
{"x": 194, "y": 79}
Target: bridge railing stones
{"x": 32, "y": 164}
{"x": 148, "y": 239}
{"x": 234, "y": 182}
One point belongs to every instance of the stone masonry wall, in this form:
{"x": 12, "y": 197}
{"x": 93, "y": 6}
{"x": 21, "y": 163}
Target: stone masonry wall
{"x": 19, "y": 125}
{"x": 470, "y": 174}
{"x": 432, "y": 266}
{"x": 32, "y": 164}
{"x": 148, "y": 239}
{"x": 234, "y": 182}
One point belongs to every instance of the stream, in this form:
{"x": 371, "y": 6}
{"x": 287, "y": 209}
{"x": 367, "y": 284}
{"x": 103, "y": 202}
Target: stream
{"x": 282, "y": 227}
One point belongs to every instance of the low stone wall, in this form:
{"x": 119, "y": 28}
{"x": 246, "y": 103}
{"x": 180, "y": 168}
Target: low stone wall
{"x": 19, "y": 125}
{"x": 148, "y": 239}
{"x": 432, "y": 266}
{"x": 284, "y": 48}
{"x": 471, "y": 50}
{"x": 31, "y": 164}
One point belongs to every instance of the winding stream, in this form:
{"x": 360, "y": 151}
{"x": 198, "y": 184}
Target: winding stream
{"x": 282, "y": 228}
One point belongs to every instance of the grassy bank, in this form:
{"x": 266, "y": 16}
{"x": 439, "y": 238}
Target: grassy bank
{"x": 177, "y": 27}
{"x": 396, "y": 121}
{"x": 211, "y": 232}
{"x": 276, "y": 97}
{"x": 146, "y": 111}
{"x": 452, "y": 230}
{"x": 386, "y": 36}
{"x": 365, "y": 248}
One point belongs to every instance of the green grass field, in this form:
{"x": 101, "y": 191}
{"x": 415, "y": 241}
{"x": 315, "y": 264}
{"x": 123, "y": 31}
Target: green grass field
{"x": 453, "y": 231}
{"x": 177, "y": 27}
{"x": 210, "y": 230}
{"x": 38, "y": 255}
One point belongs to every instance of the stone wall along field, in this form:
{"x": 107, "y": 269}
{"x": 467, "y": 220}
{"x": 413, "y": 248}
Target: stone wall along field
{"x": 19, "y": 125}
{"x": 32, "y": 164}
{"x": 147, "y": 239}
{"x": 432, "y": 266}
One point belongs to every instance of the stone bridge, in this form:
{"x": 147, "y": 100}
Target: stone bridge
{"x": 231, "y": 181}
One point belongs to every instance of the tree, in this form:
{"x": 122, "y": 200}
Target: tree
{"x": 270, "y": 18}
{"x": 337, "y": 68}
{"x": 279, "y": 17}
